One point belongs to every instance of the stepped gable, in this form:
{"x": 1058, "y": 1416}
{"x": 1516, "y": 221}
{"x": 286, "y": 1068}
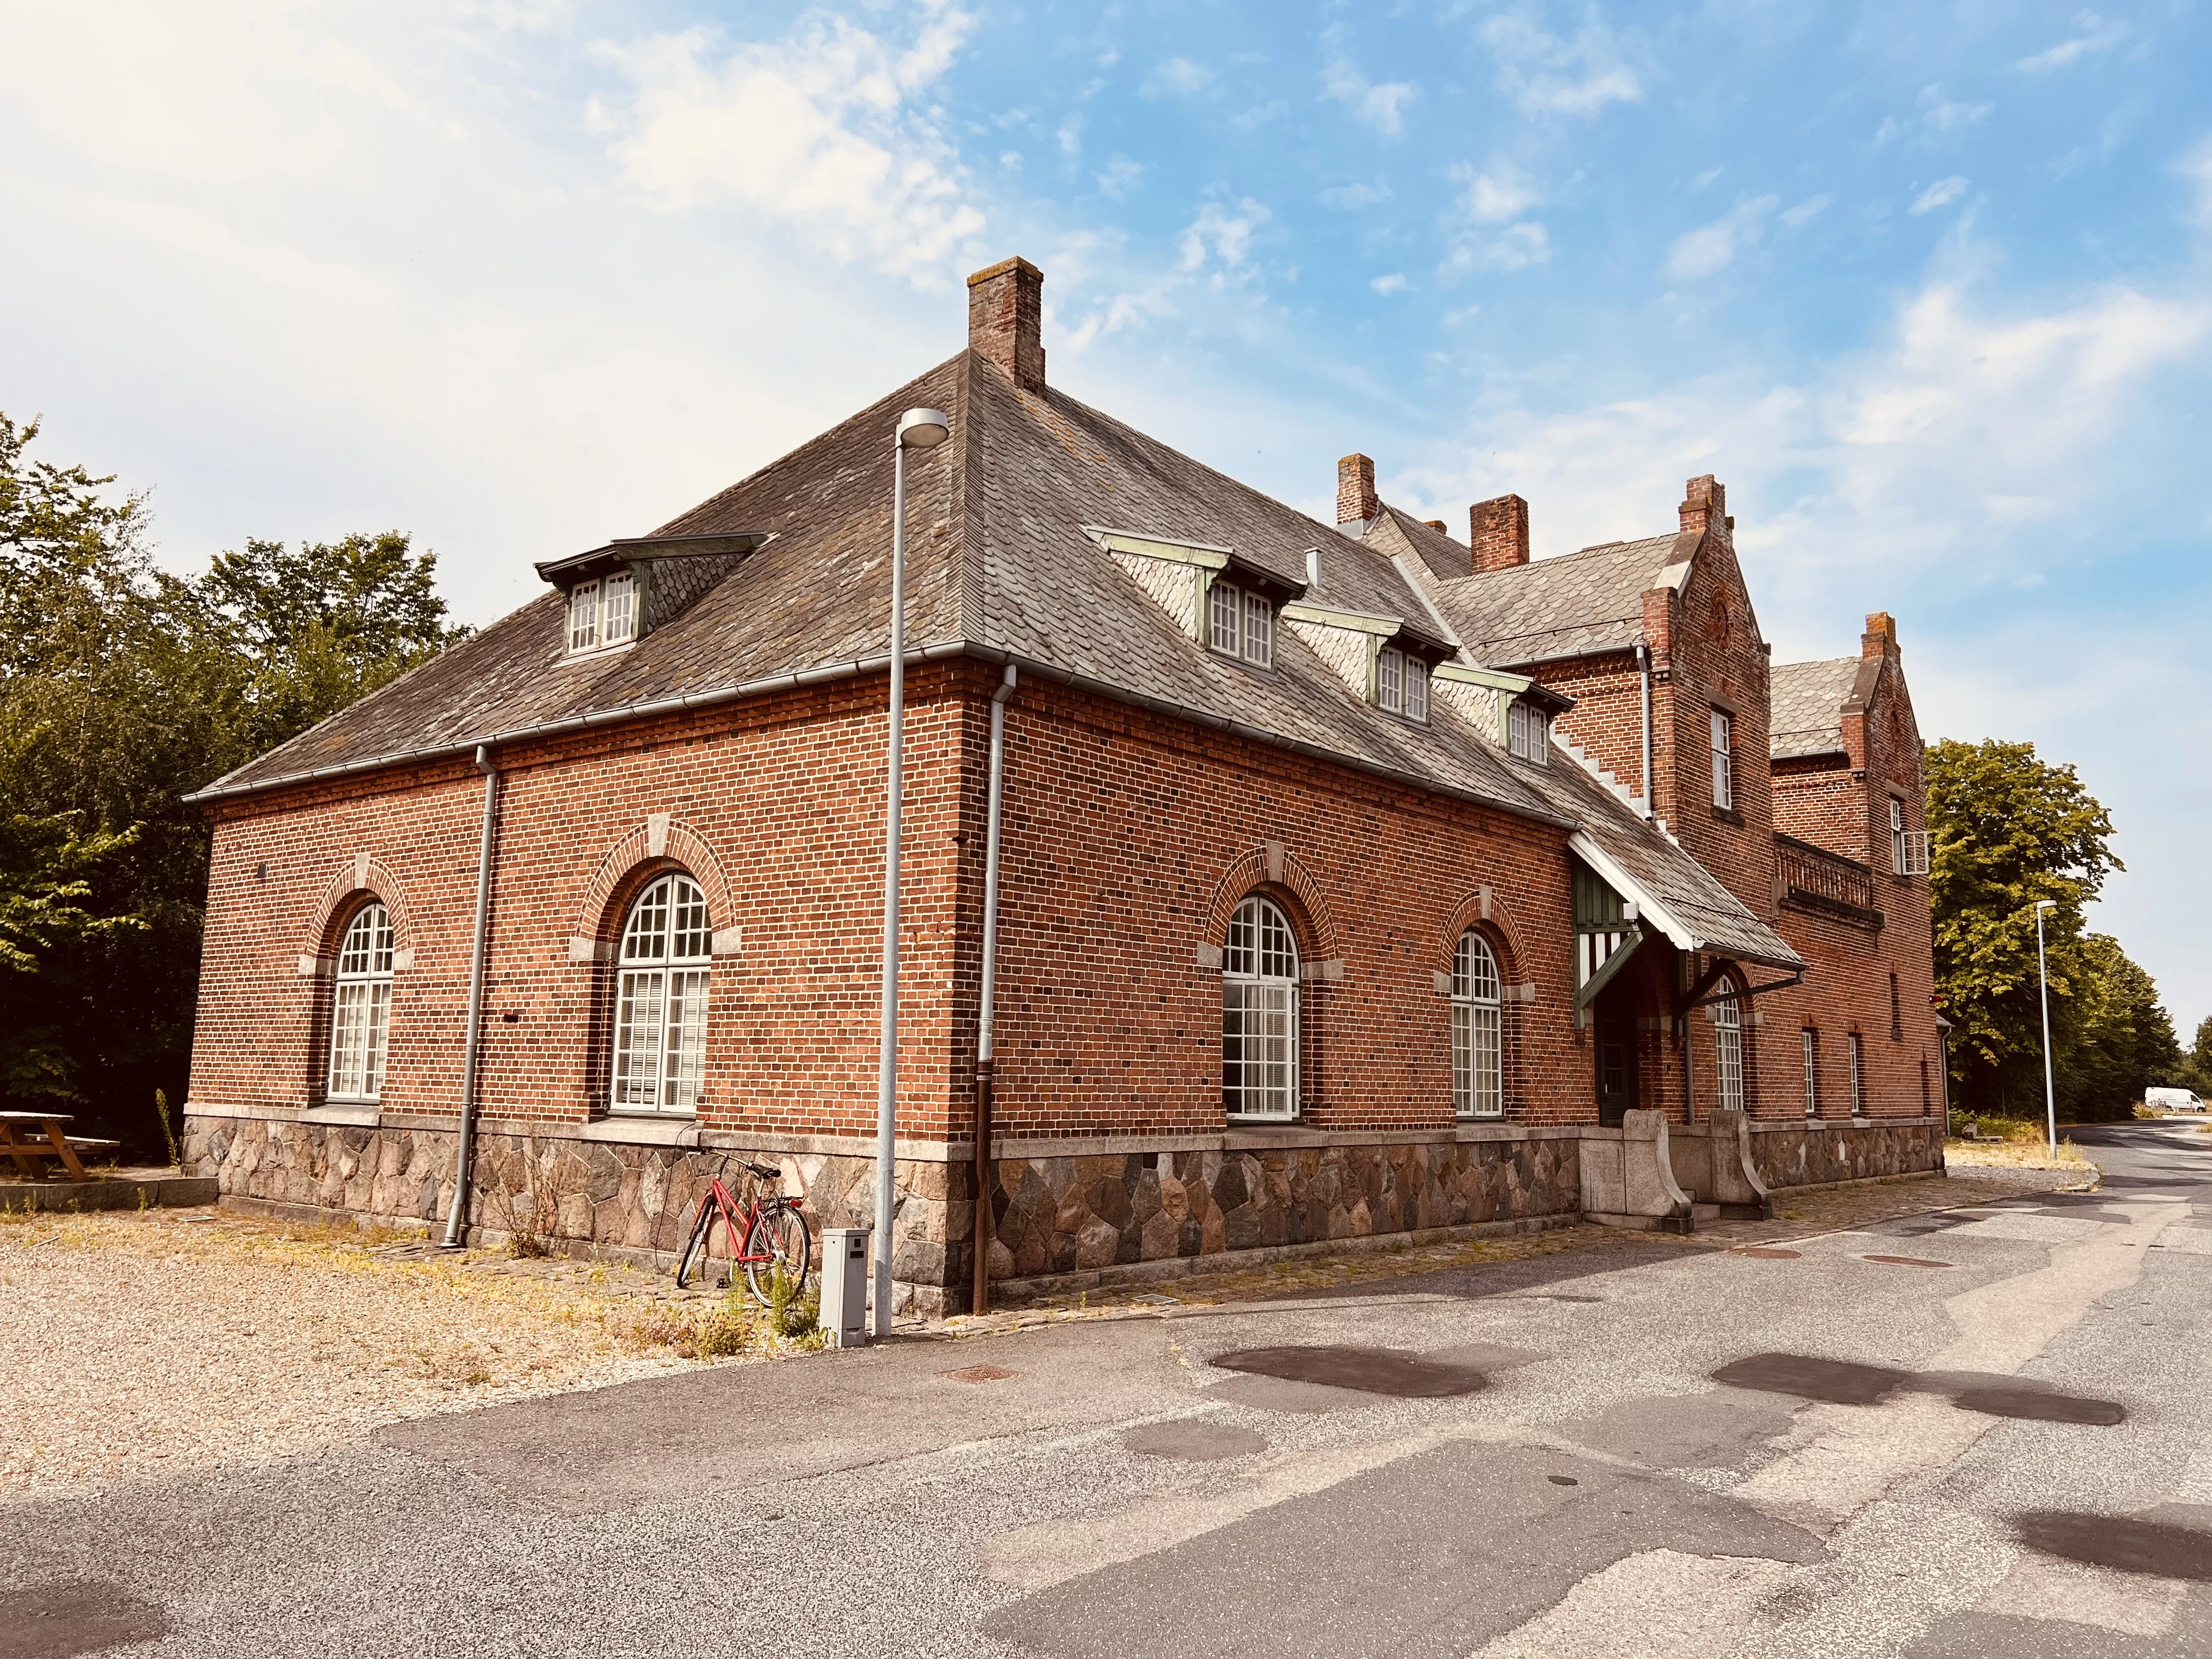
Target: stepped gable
{"x": 1809, "y": 701}
{"x": 999, "y": 563}
{"x": 1576, "y": 604}
{"x": 1716, "y": 919}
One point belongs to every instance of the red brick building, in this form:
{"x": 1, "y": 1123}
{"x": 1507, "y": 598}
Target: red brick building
{"x": 1357, "y": 882}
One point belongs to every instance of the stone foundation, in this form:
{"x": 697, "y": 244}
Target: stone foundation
{"x": 1111, "y": 1213}
{"x": 1805, "y": 1154}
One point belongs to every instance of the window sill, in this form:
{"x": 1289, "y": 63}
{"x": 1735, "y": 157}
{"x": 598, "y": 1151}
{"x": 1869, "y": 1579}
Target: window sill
{"x": 1236, "y": 1120}
{"x": 353, "y": 1114}
{"x": 599, "y": 651}
{"x": 1729, "y": 815}
{"x": 641, "y": 1130}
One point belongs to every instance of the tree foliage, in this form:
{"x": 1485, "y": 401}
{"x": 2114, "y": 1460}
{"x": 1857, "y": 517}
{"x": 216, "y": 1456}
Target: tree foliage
{"x": 2005, "y": 830}
{"x": 124, "y": 687}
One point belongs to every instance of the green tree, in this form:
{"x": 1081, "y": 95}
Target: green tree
{"x": 2006, "y": 829}
{"x": 2114, "y": 1040}
{"x": 2197, "y": 1069}
{"x": 122, "y": 689}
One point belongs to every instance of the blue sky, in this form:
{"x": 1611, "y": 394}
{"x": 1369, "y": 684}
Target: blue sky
{"x": 1929, "y": 288}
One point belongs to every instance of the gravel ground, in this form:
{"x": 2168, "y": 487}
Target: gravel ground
{"x": 170, "y": 1340}
{"x": 155, "y": 1343}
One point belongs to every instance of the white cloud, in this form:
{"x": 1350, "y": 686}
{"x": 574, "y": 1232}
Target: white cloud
{"x": 1259, "y": 115}
{"x": 1070, "y": 136}
{"x": 821, "y": 129}
{"x": 1494, "y": 197}
{"x": 1549, "y": 73}
{"x": 1349, "y": 198}
{"x": 1380, "y": 106}
{"x": 1807, "y": 210}
{"x": 1176, "y": 77}
{"x": 1711, "y": 249}
{"x": 1393, "y": 283}
{"x": 1941, "y": 193}
{"x": 1226, "y": 233}
{"x": 2097, "y": 35}
{"x": 1120, "y": 177}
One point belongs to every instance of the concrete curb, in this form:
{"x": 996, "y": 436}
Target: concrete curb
{"x": 157, "y": 1190}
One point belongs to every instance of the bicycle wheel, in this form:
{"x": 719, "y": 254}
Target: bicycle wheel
{"x": 696, "y": 1262}
{"x": 779, "y": 1237}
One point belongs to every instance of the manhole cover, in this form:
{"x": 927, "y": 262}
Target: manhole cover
{"x": 1768, "y": 1252}
{"x": 979, "y": 1374}
{"x": 1371, "y": 1371}
{"x": 1194, "y": 1442}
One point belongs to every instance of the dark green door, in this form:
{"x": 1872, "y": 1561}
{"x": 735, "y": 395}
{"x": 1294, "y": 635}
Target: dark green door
{"x": 1614, "y": 1049}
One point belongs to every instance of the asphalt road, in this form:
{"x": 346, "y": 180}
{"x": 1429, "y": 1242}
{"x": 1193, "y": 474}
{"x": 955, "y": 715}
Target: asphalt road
{"x": 1976, "y": 1433}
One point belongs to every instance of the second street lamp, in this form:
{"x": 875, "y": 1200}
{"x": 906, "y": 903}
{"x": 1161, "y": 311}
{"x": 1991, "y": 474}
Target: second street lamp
{"x": 923, "y": 429}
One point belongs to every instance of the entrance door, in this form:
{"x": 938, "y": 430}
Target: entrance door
{"x": 1613, "y": 1028}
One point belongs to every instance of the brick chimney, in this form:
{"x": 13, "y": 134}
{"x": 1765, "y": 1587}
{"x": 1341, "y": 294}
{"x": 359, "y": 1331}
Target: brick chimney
{"x": 1006, "y": 319}
{"x": 1498, "y": 532}
{"x": 1705, "y": 505}
{"x": 1880, "y": 639}
{"x": 1356, "y": 500}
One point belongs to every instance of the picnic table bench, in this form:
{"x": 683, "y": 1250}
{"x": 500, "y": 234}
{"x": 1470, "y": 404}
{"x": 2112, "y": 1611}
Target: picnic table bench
{"x": 26, "y": 1137}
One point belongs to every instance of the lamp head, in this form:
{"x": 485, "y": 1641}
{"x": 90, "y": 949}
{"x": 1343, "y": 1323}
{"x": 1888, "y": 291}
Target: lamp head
{"x": 2047, "y": 904}
{"x": 924, "y": 428}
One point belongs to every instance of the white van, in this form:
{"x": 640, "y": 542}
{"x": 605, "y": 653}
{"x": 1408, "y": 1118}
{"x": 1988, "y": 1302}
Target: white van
{"x": 2172, "y": 1100}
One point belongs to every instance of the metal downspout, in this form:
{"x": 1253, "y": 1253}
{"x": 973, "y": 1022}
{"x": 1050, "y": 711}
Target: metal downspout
{"x": 1644, "y": 666}
{"x": 465, "y": 1152}
{"x": 980, "y": 1301}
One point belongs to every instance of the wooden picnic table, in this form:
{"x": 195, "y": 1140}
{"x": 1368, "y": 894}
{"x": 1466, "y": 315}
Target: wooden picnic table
{"x": 30, "y": 1136}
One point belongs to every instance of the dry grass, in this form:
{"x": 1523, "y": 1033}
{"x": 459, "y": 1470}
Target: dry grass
{"x": 162, "y": 1340}
{"x": 2016, "y": 1154}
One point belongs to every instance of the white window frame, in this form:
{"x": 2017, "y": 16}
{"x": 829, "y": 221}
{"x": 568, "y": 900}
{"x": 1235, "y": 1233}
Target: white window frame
{"x": 1812, "y": 1073}
{"x": 1477, "y": 1029}
{"x": 1260, "y": 1013}
{"x": 1390, "y": 679}
{"x": 1858, "y": 1075}
{"x": 1728, "y": 1044}
{"x": 1239, "y": 623}
{"x": 1528, "y": 733}
{"x": 662, "y": 972}
{"x": 584, "y": 616}
{"x": 360, "y": 1009}
{"x": 1417, "y": 690}
{"x": 618, "y": 609}
{"x": 1723, "y": 760}
{"x": 1908, "y": 849}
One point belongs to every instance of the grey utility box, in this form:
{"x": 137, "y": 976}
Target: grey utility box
{"x": 845, "y": 1285}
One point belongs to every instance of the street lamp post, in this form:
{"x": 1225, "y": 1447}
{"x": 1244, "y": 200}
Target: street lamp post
{"x": 2042, "y": 974}
{"x": 918, "y": 428}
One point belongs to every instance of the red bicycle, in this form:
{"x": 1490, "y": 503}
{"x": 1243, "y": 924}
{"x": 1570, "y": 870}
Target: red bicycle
{"x": 773, "y": 1232}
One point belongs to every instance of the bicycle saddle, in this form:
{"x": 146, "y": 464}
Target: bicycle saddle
{"x": 764, "y": 1172}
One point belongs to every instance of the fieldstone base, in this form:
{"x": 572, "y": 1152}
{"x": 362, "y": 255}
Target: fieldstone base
{"x": 575, "y": 1196}
{"x": 1057, "y": 1216}
{"x": 1811, "y": 1153}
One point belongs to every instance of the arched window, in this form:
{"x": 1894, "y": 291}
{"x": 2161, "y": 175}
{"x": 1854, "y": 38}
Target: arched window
{"x": 361, "y": 1011}
{"x": 1728, "y": 1036}
{"x": 1478, "y": 1031}
{"x": 1259, "y": 1014}
{"x": 660, "y": 1009}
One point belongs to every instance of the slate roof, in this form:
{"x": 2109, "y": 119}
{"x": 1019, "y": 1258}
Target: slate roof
{"x": 998, "y": 564}
{"x": 1567, "y": 606}
{"x": 1808, "y": 700}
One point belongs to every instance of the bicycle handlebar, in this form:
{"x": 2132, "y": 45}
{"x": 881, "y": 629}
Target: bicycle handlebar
{"x": 765, "y": 1172}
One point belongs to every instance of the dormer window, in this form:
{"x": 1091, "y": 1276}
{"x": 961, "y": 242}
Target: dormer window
{"x": 1528, "y": 734}
{"x": 1241, "y": 624}
{"x": 1401, "y": 683}
{"x": 603, "y": 612}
